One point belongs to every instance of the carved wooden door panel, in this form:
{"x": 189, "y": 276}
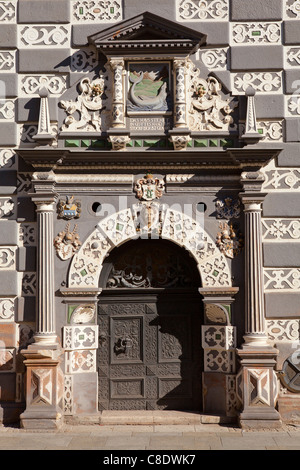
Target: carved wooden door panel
{"x": 149, "y": 353}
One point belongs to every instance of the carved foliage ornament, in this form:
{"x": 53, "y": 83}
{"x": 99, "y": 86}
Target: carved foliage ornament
{"x": 149, "y": 187}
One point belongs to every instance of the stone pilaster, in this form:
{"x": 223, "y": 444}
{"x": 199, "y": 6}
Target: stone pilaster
{"x": 257, "y": 384}
{"x": 44, "y": 378}
{"x": 118, "y": 134}
{"x": 180, "y": 134}
{"x": 117, "y": 66}
{"x": 45, "y": 198}
{"x": 219, "y": 346}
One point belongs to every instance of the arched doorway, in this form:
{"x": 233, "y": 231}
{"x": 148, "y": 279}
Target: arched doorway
{"x": 150, "y": 316}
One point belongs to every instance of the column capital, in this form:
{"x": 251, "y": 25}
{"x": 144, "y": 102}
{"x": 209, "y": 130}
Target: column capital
{"x": 44, "y": 193}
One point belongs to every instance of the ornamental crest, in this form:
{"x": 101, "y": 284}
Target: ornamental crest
{"x": 149, "y": 188}
{"x": 69, "y": 209}
{"x": 228, "y": 208}
{"x": 229, "y": 240}
{"x": 67, "y": 243}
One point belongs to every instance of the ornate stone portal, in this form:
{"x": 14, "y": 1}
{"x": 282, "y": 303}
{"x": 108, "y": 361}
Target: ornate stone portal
{"x": 191, "y": 113}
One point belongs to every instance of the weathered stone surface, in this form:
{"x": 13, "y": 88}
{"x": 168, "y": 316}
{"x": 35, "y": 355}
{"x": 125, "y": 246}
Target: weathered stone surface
{"x": 39, "y": 11}
{"x": 241, "y": 10}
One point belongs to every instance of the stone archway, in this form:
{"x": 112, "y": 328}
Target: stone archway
{"x": 218, "y": 334}
{"x": 123, "y": 226}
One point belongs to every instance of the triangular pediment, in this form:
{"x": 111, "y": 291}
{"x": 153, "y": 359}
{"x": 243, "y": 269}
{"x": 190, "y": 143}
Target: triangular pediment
{"x": 147, "y": 32}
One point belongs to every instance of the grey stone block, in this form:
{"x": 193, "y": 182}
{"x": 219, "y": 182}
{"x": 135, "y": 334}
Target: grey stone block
{"x": 289, "y": 156}
{"x": 39, "y": 11}
{"x": 9, "y": 84}
{"x": 8, "y": 133}
{"x": 292, "y": 130}
{"x": 218, "y": 33}
{"x": 292, "y": 81}
{"x": 244, "y": 10}
{"x": 269, "y": 106}
{"x": 281, "y": 305}
{"x": 9, "y": 283}
{"x": 291, "y": 32}
{"x": 257, "y": 58}
{"x": 26, "y": 259}
{"x": 8, "y": 36}
{"x": 29, "y": 109}
{"x": 281, "y": 254}
{"x": 281, "y": 205}
{"x": 8, "y": 181}
{"x": 9, "y": 232}
{"x": 44, "y": 60}
{"x": 85, "y": 393}
{"x": 157, "y": 7}
{"x": 26, "y": 308}
{"x": 26, "y": 210}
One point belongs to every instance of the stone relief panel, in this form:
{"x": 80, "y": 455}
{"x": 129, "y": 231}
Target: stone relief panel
{"x": 277, "y": 229}
{"x": 209, "y": 10}
{"x": 8, "y": 12}
{"x": 292, "y": 9}
{"x": 7, "y": 61}
{"x": 7, "y": 306}
{"x": 262, "y": 82}
{"x": 256, "y": 33}
{"x": 283, "y": 279}
{"x": 283, "y": 330}
{"x": 44, "y": 35}
{"x": 86, "y": 11}
{"x": 31, "y": 84}
{"x": 283, "y": 179}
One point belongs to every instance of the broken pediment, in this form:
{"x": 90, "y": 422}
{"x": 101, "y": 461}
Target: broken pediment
{"x": 147, "y": 34}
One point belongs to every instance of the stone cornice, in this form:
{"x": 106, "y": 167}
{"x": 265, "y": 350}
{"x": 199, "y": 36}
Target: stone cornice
{"x": 61, "y": 160}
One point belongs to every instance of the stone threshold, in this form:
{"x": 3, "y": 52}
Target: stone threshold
{"x": 147, "y": 417}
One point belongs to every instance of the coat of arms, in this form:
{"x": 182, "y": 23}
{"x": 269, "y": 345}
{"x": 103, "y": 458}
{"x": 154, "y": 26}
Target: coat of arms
{"x": 67, "y": 243}
{"x": 149, "y": 187}
{"x": 69, "y": 209}
{"x": 229, "y": 240}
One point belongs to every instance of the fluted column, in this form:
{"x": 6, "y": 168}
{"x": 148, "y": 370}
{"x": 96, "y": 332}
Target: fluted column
{"x": 45, "y": 198}
{"x": 255, "y": 332}
{"x": 256, "y": 382}
{"x": 45, "y": 275}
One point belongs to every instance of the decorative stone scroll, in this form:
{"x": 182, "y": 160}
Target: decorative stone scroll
{"x": 123, "y": 226}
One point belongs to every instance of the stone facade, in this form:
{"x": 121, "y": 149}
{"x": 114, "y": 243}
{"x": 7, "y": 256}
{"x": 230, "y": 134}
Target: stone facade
{"x": 175, "y": 121}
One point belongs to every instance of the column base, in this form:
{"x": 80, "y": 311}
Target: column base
{"x": 259, "y": 424}
{"x": 41, "y": 419}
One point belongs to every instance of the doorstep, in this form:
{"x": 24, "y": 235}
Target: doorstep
{"x": 147, "y": 417}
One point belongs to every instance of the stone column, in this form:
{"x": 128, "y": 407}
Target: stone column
{"x": 257, "y": 384}
{"x": 180, "y": 134}
{"x": 118, "y": 134}
{"x": 44, "y": 378}
{"x": 45, "y": 327}
{"x": 117, "y": 66}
